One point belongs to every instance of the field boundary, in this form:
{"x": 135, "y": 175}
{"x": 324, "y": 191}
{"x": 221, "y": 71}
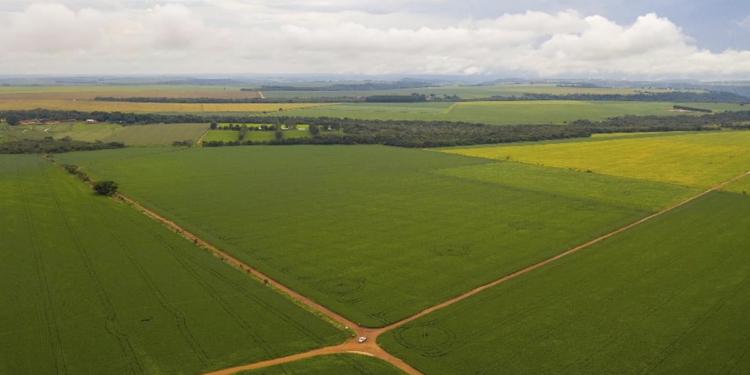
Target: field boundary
{"x": 199, "y": 142}
{"x": 450, "y": 108}
{"x": 370, "y": 346}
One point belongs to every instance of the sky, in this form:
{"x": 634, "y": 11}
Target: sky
{"x": 627, "y": 39}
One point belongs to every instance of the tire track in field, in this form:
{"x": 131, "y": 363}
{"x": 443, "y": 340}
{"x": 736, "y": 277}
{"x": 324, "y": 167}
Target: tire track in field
{"x": 215, "y": 295}
{"x": 371, "y": 347}
{"x": 182, "y": 324}
{"x": 49, "y": 313}
{"x": 111, "y": 324}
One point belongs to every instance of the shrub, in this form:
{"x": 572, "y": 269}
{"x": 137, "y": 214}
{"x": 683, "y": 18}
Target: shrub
{"x": 107, "y": 188}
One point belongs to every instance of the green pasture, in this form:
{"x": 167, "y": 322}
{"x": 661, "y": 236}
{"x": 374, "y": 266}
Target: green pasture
{"x": 221, "y": 135}
{"x": 500, "y": 113}
{"x": 297, "y": 133}
{"x": 667, "y": 297}
{"x": 159, "y": 134}
{"x": 255, "y": 135}
{"x": 91, "y": 286}
{"x": 338, "y": 364}
{"x": 378, "y": 233}
{"x": 88, "y": 158}
{"x": 134, "y": 135}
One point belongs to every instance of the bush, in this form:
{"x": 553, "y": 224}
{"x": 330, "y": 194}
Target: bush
{"x": 12, "y": 120}
{"x": 107, "y": 188}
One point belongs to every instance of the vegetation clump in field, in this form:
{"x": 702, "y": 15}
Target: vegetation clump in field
{"x": 107, "y": 187}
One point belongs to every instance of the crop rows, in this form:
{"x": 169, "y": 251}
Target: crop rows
{"x": 94, "y": 287}
{"x": 376, "y": 233}
{"x": 665, "y": 297}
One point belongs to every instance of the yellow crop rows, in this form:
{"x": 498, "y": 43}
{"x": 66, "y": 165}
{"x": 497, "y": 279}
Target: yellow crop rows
{"x": 692, "y": 159}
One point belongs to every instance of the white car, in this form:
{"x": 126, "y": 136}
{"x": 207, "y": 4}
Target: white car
{"x": 362, "y": 339}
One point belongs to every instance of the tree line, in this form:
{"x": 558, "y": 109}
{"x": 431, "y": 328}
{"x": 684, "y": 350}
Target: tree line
{"x": 423, "y": 133}
{"x": 692, "y": 109}
{"x": 366, "y": 86}
{"x": 673, "y": 96}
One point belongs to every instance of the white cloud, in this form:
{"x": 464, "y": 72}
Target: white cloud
{"x": 228, "y": 36}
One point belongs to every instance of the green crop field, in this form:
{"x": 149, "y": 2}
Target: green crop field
{"x": 91, "y": 286}
{"x": 500, "y": 113}
{"x": 667, "y": 297}
{"x": 160, "y": 134}
{"x": 337, "y": 364}
{"x": 221, "y": 135}
{"x": 372, "y": 232}
{"x": 691, "y": 159}
{"x": 134, "y": 135}
{"x": 298, "y": 133}
{"x": 741, "y": 186}
{"x": 255, "y": 136}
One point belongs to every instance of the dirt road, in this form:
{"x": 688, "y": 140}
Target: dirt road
{"x": 370, "y": 347}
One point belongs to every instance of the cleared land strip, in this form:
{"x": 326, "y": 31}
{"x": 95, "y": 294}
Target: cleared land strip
{"x": 370, "y": 347}
{"x": 200, "y": 140}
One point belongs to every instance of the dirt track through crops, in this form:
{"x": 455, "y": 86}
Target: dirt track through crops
{"x": 370, "y": 347}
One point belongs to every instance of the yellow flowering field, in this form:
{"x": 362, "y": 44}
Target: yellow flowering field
{"x": 693, "y": 159}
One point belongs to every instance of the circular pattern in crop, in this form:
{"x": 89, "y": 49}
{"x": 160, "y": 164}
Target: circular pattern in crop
{"x": 429, "y": 340}
{"x": 297, "y": 273}
{"x": 341, "y": 285}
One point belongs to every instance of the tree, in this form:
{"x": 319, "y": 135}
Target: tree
{"x": 13, "y": 120}
{"x": 107, "y": 188}
{"x": 214, "y": 125}
{"x": 314, "y": 130}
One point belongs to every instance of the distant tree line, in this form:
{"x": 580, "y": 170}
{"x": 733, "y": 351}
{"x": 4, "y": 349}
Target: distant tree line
{"x": 672, "y": 96}
{"x": 443, "y": 134}
{"x": 692, "y": 109}
{"x": 366, "y": 86}
{"x": 53, "y": 146}
{"x": 413, "y": 98}
{"x": 419, "y": 133}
